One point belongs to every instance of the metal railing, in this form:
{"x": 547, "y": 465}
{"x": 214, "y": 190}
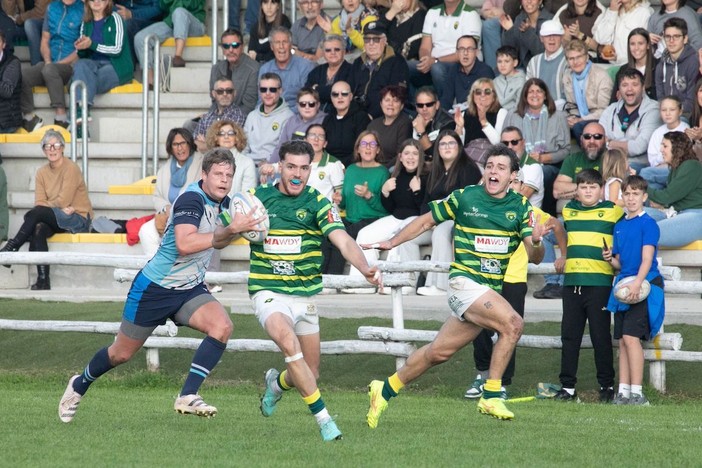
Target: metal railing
{"x": 225, "y": 23}
{"x": 155, "y": 64}
{"x": 73, "y": 90}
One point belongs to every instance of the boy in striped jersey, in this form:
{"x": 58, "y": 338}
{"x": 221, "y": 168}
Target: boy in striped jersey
{"x": 589, "y": 222}
{"x": 490, "y": 223}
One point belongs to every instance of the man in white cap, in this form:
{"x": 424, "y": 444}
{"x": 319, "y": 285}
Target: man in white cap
{"x": 550, "y": 66}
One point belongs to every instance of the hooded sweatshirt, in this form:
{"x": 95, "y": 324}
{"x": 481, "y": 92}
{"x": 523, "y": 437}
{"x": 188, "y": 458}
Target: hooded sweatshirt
{"x": 678, "y": 77}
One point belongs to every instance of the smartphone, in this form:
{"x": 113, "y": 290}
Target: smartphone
{"x": 604, "y": 244}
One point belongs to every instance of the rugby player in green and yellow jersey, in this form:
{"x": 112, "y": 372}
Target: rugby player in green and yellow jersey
{"x": 490, "y": 223}
{"x": 285, "y": 274}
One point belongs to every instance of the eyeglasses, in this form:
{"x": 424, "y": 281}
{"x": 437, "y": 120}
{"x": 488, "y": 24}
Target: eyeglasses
{"x": 329, "y": 50}
{"x": 308, "y": 2}
{"x": 179, "y": 144}
{"x": 372, "y": 39}
{"x": 590, "y": 136}
{"x": 231, "y": 45}
{"x": 673, "y": 37}
{"x": 367, "y": 144}
{"x": 271, "y": 89}
{"x": 480, "y": 92}
{"x": 575, "y": 58}
{"x": 230, "y": 133}
{"x": 511, "y": 142}
{"x": 55, "y": 146}
{"x": 448, "y": 144}
{"x": 340, "y": 93}
{"x": 422, "y": 105}
{"x": 224, "y": 91}
{"x": 95, "y": 1}
{"x": 316, "y": 136}
{"x": 309, "y": 104}
{"x": 465, "y": 50}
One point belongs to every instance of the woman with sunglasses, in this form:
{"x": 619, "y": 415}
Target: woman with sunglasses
{"x": 183, "y": 167}
{"x": 336, "y": 68}
{"x": 394, "y": 126}
{"x": 360, "y": 194}
{"x": 61, "y": 204}
{"x": 229, "y": 135}
{"x": 270, "y": 15}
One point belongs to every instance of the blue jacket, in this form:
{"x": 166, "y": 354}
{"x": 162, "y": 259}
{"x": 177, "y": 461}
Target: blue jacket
{"x": 62, "y": 22}
{"x": 143, "y": 10}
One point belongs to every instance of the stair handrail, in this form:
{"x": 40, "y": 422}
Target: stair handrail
{"x": 155, "y": 64}
{"x": 73, "y": 90}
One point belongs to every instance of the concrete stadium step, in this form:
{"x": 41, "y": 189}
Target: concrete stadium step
{"x": 116, "y": 101}
{"x": 194, "y": 78}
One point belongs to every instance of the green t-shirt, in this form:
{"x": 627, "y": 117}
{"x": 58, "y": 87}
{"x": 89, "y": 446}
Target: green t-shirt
{"x": 577, "y": 162}
{"x": 358, "y": 208}
{"x": 290, "y": 259}
{"x": 487, "y": 231}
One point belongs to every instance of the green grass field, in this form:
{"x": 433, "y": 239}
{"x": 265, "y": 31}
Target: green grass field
{"x": 127, "y": 418}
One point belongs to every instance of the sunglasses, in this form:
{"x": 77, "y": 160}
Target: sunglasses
{"x": 590, "y": 136}
{"x": 480, "y": 92}
{"x": 227, "y": 133}
{"x": 309, "y": 104}
{"x": 511, "y": 142}
{"x": 422, "y": 105}
{"x": 55, "y": 146}
{"x": 329, "y": 50}
{"x": 340, "y": 93}
{"x": 224, "y": 91}
{"x": 231, "y": 45}
{"x": 372, "y": 39}
{"x": 272, "y": 90}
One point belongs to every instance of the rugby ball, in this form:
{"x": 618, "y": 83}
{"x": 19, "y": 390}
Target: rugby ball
{"x": 245, "y": 202}
{"x": 621, "y": 291}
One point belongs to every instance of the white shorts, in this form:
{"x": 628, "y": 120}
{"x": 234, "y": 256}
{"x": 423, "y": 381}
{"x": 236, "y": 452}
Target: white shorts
{"x": 301, "y": 310}
{"x": 462, "y": 293}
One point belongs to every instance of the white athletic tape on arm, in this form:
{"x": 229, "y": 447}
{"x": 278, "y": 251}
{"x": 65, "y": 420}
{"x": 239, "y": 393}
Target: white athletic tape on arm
{"x": 294, "y": 357}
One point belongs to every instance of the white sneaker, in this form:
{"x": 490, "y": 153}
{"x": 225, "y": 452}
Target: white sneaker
{"x": 69, "y": 402}
{"x": 430, "y": 291}
{"x": 194, "y": 404}
{"x": 358, "y": 290}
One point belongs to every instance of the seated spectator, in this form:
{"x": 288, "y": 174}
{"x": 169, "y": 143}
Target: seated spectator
{"x": 451, "y": 169}
{"x": 464, "y": 73}
{"x": 678, "y": 208}
{"x": 308, "y": 32}
{"x": 4, "y": 208}
{"x": 444, "y": 24}
{"x": 264, "y": 124}
{"x": 28, "y": 17}
{"x": 394, "y": 126}
{"x": 344, "y": 123}
{"x": 327, "y": 173}
{"x": 61, "y": 204}
{"x": 586, "y": 88}
{"x": 578, "y": 18}
{"x": 532, "y": 176}
{"x": 10, "y": 89}
{"x": 223, "y": 108}
{"x": 349, "y": 23}
{"x": 510, "y": 79}
{"x": 322, "y": 77}
{"x": 240, "y": 68}
{"x": 183, "y": 19}
{"x": 183, "y": 167}
{"x": 614, "y": 25}
{"x": 481, "y": 123}
{"x": 522, "y": 32}
{"x": 431, "y": 120}
{"x": 678, "y": 68}
{"x": 360, "y": 195}
{"x": 630, "y": 122}
{"x": 695, "y": 130}
{"x": 656, "y": 174}
{"x": 61, "y": 30}
{"x": 404, "y": 21}
{"x": 376, "y": 68}
{"x": 676, "y": 9}
{"x": 491, "y": 34}
{"x": 229, "y": 135}
{"x": 269, "y": 16}
{"x": 640, "y": 56}
{"x": 291, "y": 69}
{"x": 137, "y": 15}
{"x": 550, "y": 65}
{"x": 402, "y": 196}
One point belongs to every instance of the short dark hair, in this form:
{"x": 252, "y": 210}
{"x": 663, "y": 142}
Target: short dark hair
{"x": 631, "y": 73}
{"x": 634, "y": 182}
{"x": 429, "y": 91}
{"x": 396, "y": 91}
{"x": 468, "y": 36}
{"x": 232, "y": 32}
{"x": 512, "y": 128}
{"x": 187, "y": 136}
{"x": 271, "y": 76}
{"x": 589, "y": 176}
{"x": 508, "y": 51}
{"x": 677, "y": 23}
{"x": 297, "y": 148}
{"x": 217, "y": 155}
{"x": 502, "y": 150}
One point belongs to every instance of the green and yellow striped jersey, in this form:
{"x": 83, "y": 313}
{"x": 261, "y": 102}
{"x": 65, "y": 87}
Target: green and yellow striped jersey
{"x": 487, "y": 232}
{"x": 587, "y": 226}
{"x": 289, "y": 261}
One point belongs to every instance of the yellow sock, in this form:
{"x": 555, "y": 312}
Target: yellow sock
{"x": 493, "y": 385}
{"x": 281, "y": 381}
{"x": 395, "y": 383}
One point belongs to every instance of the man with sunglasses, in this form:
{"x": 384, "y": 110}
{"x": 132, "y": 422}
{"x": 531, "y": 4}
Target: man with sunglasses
{"x": 430, "y": 121}
{"x": 223, "y": 108}
{"x": 241, "y": 69}
{"x": 530, "y": 170}
{"x": 463, "y": 74}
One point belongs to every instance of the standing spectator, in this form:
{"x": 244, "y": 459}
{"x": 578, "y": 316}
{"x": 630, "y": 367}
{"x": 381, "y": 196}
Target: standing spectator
{"x": 656, "y": 174}
{"x": 444, "y": 24}
{"x": 60, "y": 32}
{"x": 28, "y": 16}
{"x": 404, "y": 22}
{"x": 675, "y": 9}
{"x": 61, "y": 204}
{"x": 491, "y": 34}
{"x": 309, "y": 31}
{"x": 614, "y": 25}
{"x": 578, "y": 17}
{"x": 522, "y": 32}
{"x": 550, "y": 65}
{"x": 327, "y": 173}
{"x": 344, "y": 123}
{"x": 10, "y": 89}
{"x": 464, "y": 73}
{"x": 223, "y": 108}
{"x": 137, "y": 15}
{"x": 376, "y": 68}
{"x": 270, "y": 16}
{"x": 678, "y": 69}
{"x": 394, "y": 126}
{"x": 240, "y": 68}
{"x": 291, "y": 69}
{"x": 349, "y": 24}
{"x": 4, "y": 208}
{"x": 532, "y": 176}
{"x": 336, "y": 68}
{"x": 510, "y": 79}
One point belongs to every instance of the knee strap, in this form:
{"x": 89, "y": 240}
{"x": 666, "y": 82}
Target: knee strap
{"x": 294, "y": 357}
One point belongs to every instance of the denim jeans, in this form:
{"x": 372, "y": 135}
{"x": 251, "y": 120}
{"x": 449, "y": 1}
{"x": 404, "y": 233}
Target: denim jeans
{"x": 251, "y": 15}
{"x": 657, "y": 177}
{"x": 234, "y": 14}
{"x": 184, "y": 25}
{"x": 99, "y": 76}
{"x": 550, "y": 242}
{"x": 492, "y": 40}
{"x": 32, "y": 29}
{"x": 679, "y": 230}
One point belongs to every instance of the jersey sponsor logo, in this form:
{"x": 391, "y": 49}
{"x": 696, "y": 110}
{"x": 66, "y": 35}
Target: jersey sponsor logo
{"x": 283, "y": 268}
{"x": 492, "y": 244}
{"x": 311, "y": 309}
{"x": 475, "y": 211}
{"x": 456, "y": 304}
{"x": 282, "y": 244}
{"x": 333, "y": 215}
{"x": 490, "y": 265}
{"x": 191, "y": 214}
{"x": 511, "y": 215}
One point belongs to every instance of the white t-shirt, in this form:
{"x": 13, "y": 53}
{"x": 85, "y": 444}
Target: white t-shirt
{"x": 327, "y": 178}
{"x": 654, "y": 144}
{"x": 534, "y": 178}
{"x": 445, "y": 30}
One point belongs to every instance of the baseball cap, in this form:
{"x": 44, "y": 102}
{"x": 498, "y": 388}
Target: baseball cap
{"x": 376, "y": 28}
{"x": 551, "y": 28}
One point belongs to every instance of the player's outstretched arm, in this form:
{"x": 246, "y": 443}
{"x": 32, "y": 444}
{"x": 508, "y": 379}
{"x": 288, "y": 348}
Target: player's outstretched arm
{"x": 224, "y": 235}
{"x": 409, "y": 232}
{"x": 353, "y": 254}
{"x": 533, "y": 244}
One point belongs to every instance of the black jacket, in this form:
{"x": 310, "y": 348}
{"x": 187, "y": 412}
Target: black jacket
{"x": 10, "y": 90}
{"x": 366, "y": 86}
{"x": 342, "y": 133}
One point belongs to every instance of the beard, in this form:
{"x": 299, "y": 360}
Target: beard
{"x": 594, "y": 153}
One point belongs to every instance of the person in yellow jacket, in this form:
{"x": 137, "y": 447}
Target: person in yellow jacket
{"x": 350, "y": 21}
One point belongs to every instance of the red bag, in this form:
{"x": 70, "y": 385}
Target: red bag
{"x": 133, "y": 226}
